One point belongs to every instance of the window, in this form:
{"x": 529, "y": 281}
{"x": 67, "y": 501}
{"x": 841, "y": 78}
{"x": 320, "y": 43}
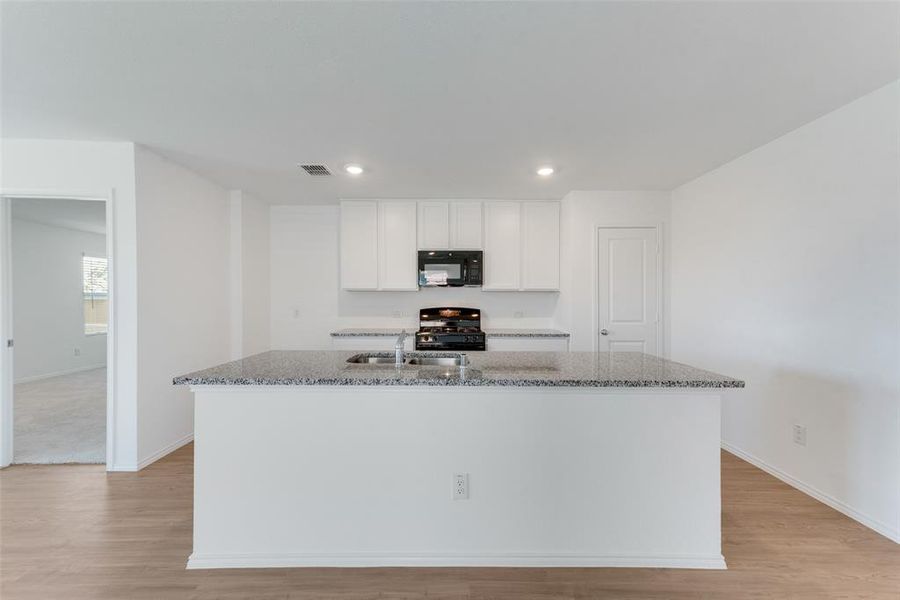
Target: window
{"x": 95, "y": 280}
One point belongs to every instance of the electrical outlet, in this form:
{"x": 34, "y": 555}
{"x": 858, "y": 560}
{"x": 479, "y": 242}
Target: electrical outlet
{"x": 518, "y": 314}
{"x": 296, "y": 313}
{"x": 800, "y": 435}
{"x": 397, "y": 314}
{"x": 460, "y": 486}
{"x": 77, "y": 351}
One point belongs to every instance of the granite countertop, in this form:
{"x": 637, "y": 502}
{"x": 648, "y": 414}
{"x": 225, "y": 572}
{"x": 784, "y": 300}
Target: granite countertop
{"x": 521, "y": 369}
{"x": 394, "y": 332}
{"x": 370, "y": 332}
{"x": 531, "y": 333}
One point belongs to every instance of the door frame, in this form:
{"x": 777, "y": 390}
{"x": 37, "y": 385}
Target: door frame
{"x": 658, "y": 227}
{"x": 7, "y": 429}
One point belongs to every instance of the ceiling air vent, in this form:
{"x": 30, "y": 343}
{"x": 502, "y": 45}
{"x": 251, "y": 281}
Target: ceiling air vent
{"x": 316, "y": 170}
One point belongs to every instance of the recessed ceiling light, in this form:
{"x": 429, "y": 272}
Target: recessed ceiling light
{"x": 353, "y": 169}
{"x": 545, "y": 171}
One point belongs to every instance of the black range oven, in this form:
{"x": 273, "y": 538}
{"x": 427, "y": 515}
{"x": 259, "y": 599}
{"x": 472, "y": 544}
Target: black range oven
{"x": 450, "y": 268}
{"x": 450, "y": 328}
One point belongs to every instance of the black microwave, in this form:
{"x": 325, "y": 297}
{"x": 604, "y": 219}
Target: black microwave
{"x": 454, "y": 268}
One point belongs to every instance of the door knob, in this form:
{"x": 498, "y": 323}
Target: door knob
{"x": 604, "y": 332}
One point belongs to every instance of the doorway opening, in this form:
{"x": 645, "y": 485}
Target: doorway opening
{"x": 58, "y": 306}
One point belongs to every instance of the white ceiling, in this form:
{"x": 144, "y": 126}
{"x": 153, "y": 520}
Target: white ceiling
{"x": 440, "y": 99}
{"x": 82, "y": 215}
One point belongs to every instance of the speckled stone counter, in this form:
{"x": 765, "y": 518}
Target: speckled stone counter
{"x": 507, "y": 369}
{"x": 370, "y": 332}
{"x": 498, "y": 333}
{"x": 525, "y": 333}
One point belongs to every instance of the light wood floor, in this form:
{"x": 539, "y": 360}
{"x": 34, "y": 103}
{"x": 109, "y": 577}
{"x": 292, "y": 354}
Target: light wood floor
{"x": 75, "y": 532}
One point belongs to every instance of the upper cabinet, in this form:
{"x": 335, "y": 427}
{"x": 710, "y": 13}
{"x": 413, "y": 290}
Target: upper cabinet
{"x": 450, "y": 225}
{"x": 378, "y": 245}
{"x": 466, "y": 225}
{"x": 359, "y": 245}
{"x": 540, "y": 246}
{"x": 397, "y": 254}
{"x": 521, "y": 246}
{"x": 503, "y": 245}
{"x": 380, "y": 239}
{"x": 434, "y": 225}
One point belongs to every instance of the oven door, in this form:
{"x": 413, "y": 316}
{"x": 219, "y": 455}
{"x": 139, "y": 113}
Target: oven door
{"x": 449, "y": 341}
{"x": 437, "y": 269}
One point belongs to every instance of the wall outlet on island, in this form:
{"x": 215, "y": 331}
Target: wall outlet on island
{"x": 77, "y": 351}
{"x": 800, "y": 435}
{"x": 460, "y": 486}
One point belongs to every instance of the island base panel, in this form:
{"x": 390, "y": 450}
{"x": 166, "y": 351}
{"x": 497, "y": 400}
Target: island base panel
{"x": 351, "y": 476}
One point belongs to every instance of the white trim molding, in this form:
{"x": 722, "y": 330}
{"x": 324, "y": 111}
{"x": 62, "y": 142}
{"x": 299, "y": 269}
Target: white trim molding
{"x": 60, "y": 373}
{"x": 6, "y": 354}
{"x": 7, "y": 358}
{"x": 884, "y": 529}
{"x": 375, "y": 559}
{"x": 162, "y": 452}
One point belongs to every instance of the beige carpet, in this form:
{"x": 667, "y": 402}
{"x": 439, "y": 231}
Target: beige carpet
{"x": 61, "y": 419}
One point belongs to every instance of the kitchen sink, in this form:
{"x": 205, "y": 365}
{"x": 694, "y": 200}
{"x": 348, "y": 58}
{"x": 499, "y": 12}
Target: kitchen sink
{"x": 383, "y": 358}
{"x": 371, "y": 359}
{"x": 439, "y": 361}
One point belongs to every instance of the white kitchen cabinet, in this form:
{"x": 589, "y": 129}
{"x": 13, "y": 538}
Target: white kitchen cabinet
{"x": 380, "y": 239}
{"x": 359, "y": 245}
{"x": 540, "y": 246}
{"x": 502, "y": 245}
{"x": 378, "y": 245}
{"x": 521, "y": 246}
{"x": 397, "y": 257}
{"x": 466, "y": 225}
{"x": 450, "y": 225}
{"x": 434, "y": 225}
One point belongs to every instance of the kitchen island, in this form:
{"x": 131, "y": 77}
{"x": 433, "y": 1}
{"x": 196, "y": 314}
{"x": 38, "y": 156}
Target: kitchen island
{"x": 517, "y": 459}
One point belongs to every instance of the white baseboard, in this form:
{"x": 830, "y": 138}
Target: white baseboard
{"x": 58, "y": 373}
{"x": 121, "y": 468}
{"x": 164, "y": 451}
{"x": 356, "y": 560}
{"x": 873, "y": 524}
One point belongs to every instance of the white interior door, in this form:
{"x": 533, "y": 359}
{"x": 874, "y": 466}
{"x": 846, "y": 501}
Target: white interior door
{"x": 628, "y": 290}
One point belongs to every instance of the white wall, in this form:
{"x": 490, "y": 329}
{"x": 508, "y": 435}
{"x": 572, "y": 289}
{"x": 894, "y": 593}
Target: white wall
{"x": 56, "y": 168}
{"x": 786, "y": 273}
{"x": 47, "y": 295}
{"x": 308, "y": 304}
{"x": 582, "y": 213}
{"x": 250, "y": 289}
{"x": 183, "y": 280}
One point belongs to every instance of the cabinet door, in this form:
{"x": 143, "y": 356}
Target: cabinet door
{"x": 397, "y": 258}
{"x": 434, "y": 225}
{"x": 502, "y": 245}
{"x": 540, "y": 246}
{"x": 359, "y": 245}
{"x": 466, "y": 226}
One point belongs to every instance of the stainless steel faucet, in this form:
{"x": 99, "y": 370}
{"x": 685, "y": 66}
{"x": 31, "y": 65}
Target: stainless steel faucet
{"x": 398, "y": 348}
